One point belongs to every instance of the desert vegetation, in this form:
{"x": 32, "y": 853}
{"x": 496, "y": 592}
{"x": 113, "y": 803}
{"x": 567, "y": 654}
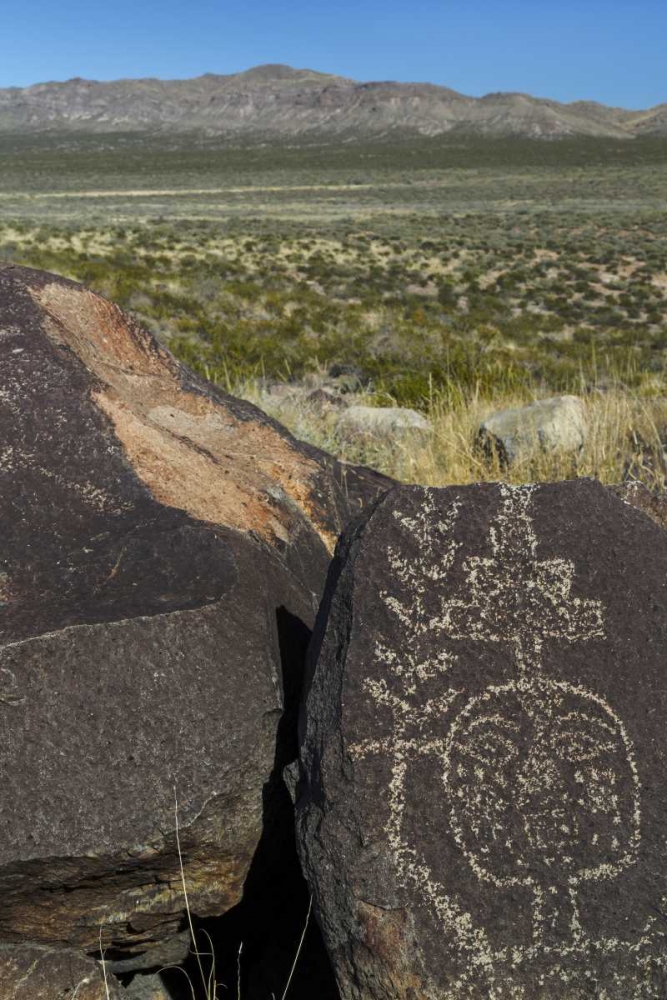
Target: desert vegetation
{"x": 451, "y": 279}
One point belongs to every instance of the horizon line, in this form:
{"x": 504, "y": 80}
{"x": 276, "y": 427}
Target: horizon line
{"x": 306, "y": 69}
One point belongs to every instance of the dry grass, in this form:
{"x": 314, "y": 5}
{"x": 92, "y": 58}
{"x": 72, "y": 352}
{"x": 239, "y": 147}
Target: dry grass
{"x": 207, "y": 986}
{"x": 625, "y": 440}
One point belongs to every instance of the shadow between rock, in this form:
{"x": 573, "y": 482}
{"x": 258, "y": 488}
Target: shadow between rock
{"x": 268, "y": 922}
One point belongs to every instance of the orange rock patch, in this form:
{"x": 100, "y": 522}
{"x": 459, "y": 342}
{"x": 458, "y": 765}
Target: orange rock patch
{"x": 189, "y": 449}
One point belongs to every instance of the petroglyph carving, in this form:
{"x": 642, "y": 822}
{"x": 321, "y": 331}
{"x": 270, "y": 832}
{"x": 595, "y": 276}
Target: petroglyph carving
{"x": 564, "y": 792}
{"x": 540, "y": 774}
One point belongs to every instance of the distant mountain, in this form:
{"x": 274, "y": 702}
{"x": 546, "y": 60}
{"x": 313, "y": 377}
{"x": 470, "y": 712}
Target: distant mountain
{"x": 652, "y": 122}
{"x": 278, "y": 102}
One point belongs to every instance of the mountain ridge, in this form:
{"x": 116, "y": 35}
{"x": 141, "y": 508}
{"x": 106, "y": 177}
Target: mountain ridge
{"x": 280, "y": 102}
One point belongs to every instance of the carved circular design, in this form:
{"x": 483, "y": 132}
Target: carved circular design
{"x": 543, "y": 786}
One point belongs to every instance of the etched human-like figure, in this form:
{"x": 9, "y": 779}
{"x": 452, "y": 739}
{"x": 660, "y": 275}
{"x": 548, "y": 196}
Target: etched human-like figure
{"x": 540, "y": 782}
{"x": 544, "y": 794}
{"x": 558, "y": 801}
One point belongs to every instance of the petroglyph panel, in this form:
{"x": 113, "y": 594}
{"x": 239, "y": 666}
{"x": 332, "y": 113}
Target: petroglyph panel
{"x": 483, "y": 747}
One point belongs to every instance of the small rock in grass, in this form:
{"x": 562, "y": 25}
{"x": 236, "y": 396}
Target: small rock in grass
{"x": 555, "y": 424}
{"x": 382, "y": 423}
{"x": 323, "y": 400}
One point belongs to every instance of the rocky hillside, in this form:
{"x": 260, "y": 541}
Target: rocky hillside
{"x": 283, "y": 103}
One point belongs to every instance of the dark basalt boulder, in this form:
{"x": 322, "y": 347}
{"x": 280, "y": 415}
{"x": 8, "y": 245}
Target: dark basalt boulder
{"x": 483, "y": 802}
{"x": 152, "y": 532}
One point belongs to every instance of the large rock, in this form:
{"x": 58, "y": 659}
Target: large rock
{"x": 556, "y": 424}
{"x": 157, "y": 539}
{"x": 383, "y": 424}
{"x": 483, "y": 809}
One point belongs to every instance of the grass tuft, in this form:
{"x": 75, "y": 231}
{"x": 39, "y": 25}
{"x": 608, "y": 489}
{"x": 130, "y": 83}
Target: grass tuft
{"x": 626, "y": 435}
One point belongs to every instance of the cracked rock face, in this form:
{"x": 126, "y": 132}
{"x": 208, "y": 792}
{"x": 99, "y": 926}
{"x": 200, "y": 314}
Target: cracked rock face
{"x": 482, "y": 807}
{"x": 151, "y": 528}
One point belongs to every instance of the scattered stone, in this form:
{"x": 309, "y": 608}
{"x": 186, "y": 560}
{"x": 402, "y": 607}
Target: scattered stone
{"x": 382, "y": 423}
{"x": 321, "y": 399}
{"x": 325, "y": 400}
{"x": 483, "y": 801}
{"x": 30, "y": 972}
{"x": 556, "y": 424}
{"x": 322, "y": 394}
{"x": 280, "y": 392}
{"x": 157, "y": 539}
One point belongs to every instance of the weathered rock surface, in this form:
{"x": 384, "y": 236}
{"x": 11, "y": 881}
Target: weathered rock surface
{"x": 40, "y": 973}
{"x": 556, "y": 424}
{"x": 483, "y": 806}
{"x": 382, "y": 423}
{"x": 149, "y": 987}
{"x": 151, "y": 529}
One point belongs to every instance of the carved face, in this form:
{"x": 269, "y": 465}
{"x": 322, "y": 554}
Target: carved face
{"x": 543, "y": 786}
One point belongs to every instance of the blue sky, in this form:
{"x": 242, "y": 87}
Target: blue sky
{"x": 607, "y": 50}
